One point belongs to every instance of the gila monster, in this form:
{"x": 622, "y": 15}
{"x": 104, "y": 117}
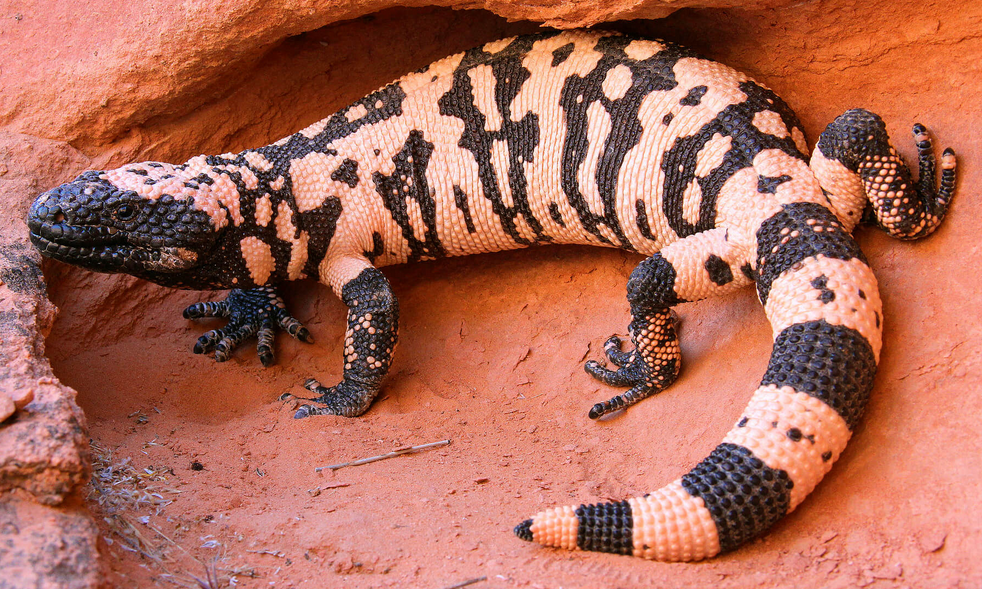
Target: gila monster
{"x": 569, "y": 138}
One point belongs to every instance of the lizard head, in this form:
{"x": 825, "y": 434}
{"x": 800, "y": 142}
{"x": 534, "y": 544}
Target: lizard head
{"x": 108, "y": 222}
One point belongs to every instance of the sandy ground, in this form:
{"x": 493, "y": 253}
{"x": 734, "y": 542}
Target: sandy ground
{"x": 491, "y": 359}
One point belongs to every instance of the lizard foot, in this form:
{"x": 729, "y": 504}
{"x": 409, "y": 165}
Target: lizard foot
{"x": 257, "y": 311}
{"x": 646, "y": 370}
{"x": 632, "y": 371}
{"x": 643, "y": 381}
{"x": 347, "y": 398}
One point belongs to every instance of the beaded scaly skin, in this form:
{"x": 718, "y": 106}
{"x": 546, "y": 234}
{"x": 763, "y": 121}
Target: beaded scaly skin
{"x": 568, "y": 138}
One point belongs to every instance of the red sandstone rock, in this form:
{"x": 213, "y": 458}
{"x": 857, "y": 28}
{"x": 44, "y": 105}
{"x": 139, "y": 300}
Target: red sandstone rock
{"x": 103, "y": 69}
{"x": 47, "y": 548}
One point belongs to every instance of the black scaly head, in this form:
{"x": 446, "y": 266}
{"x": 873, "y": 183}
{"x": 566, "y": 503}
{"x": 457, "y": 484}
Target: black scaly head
{"x": 94, "y": 224}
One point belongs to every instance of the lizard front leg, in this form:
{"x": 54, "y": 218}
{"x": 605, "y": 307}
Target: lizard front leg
{"x": 690, "y": 269}
{"x": 373, "y": 325}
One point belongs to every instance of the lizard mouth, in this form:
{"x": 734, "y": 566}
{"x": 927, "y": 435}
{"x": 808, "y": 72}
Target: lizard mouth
{"x": 105, "y": 249}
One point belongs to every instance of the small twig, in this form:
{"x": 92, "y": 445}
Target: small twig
{"x": 276, "y": 553}
{"x": 317, "y": 490}
{"x": 468, "y": 582}
{"x": 393, "y": 454}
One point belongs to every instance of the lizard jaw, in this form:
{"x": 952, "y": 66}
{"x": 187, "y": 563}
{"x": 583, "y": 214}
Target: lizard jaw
{"x": 107, "y": 250}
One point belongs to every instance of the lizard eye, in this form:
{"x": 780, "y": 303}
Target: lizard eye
{"x": 125, "y": 212}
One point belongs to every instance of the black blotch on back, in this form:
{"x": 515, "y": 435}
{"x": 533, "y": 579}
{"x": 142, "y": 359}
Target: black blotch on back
{"x": 821, "y": 284}
{"x": 694, "y": 97}
{"x": 734, "y": 121}
{"x": 768, "y": 184}
{"x": 347, "y": 172}
{"x": 555, "y": 214}
{"x": 643, "y": 226}
{"x": 579, "y": 95}
{"x": 320, "y": 224}
{"x": 460, "y": 199}
{"x": 748, "y": 271}
{"x": 719, "y": 270}
{"x": 383, "y": 104}
{"x": 408, "y": 181}
{"x": 562, "y": 54}
{"x": 378, "y": 247}
{"x": 521, "y": 136}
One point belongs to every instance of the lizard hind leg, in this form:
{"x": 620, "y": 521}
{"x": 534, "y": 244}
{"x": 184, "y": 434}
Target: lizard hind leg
{"x": 690, "y": 269}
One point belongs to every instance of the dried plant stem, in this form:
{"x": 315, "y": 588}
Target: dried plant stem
{"x": 392, "y": 454}
{"x": 467, "y": 582}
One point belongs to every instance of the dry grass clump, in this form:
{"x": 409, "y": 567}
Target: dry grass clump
{"x": 117, "y": 485}
{"x": 127, "y": 497}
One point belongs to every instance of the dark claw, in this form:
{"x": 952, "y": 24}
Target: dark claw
{"x": 607, "y": 407}
{"x": 200, "y": 310}
{"x": 637, "y": 393}
{"x": 207, "y": 341}
{"x": 266, "y": 356}
{"x": 223, "y": 350}
{"x": 264, "y": 347}
{"x": 303, "y": 335}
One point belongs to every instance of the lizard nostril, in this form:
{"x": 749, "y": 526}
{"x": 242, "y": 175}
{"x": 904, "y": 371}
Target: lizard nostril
{"x": 59, "y": 218}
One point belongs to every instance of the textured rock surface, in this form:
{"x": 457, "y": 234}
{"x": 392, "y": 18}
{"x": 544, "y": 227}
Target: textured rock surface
{"x": 111, "y": 66}
{"x": 492, "y": 345}
{"x": 42, "y": 449}
{"x": 47, "y": 547}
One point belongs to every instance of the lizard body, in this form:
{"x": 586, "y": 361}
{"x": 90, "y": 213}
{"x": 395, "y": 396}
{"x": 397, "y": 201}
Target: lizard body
{"x": 567, "y": 138}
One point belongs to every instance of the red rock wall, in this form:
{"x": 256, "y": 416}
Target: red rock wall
{"x": 119, "y": 82}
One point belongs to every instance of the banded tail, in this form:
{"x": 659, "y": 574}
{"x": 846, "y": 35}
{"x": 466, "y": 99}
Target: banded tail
{"x": 821, "y": 299}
